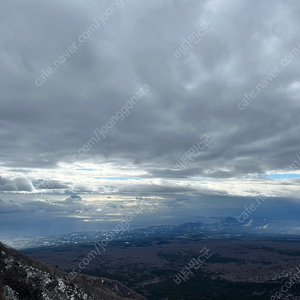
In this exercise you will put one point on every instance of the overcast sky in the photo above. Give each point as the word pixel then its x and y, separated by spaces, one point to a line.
pixel 191 105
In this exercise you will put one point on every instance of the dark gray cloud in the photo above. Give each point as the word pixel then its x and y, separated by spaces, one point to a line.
pixel 7 185
pixel 51 184
pixel 191 95
pixel 16 184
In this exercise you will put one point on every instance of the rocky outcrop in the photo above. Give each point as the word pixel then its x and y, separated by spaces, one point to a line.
pixel 22 278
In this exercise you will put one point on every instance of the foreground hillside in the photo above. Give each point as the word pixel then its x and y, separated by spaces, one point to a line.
pixel 22 278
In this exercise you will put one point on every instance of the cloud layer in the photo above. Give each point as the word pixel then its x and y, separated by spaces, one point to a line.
pixel 91 126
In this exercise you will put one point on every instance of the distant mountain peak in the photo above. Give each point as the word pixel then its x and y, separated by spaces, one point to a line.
pixel 231 220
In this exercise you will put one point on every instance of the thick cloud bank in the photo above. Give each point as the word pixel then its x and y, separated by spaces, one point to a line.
pixel 170 99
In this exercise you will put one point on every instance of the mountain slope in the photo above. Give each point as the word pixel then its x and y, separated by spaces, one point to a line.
pixel 22 278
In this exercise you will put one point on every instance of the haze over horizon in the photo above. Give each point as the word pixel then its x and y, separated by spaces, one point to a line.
pixel 190 106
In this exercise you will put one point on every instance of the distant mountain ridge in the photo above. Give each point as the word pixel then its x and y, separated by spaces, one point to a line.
pixel 22 278
pixel 230 220
pixel 228 225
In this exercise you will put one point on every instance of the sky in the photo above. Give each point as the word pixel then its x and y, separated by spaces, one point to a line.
pixel 191 106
